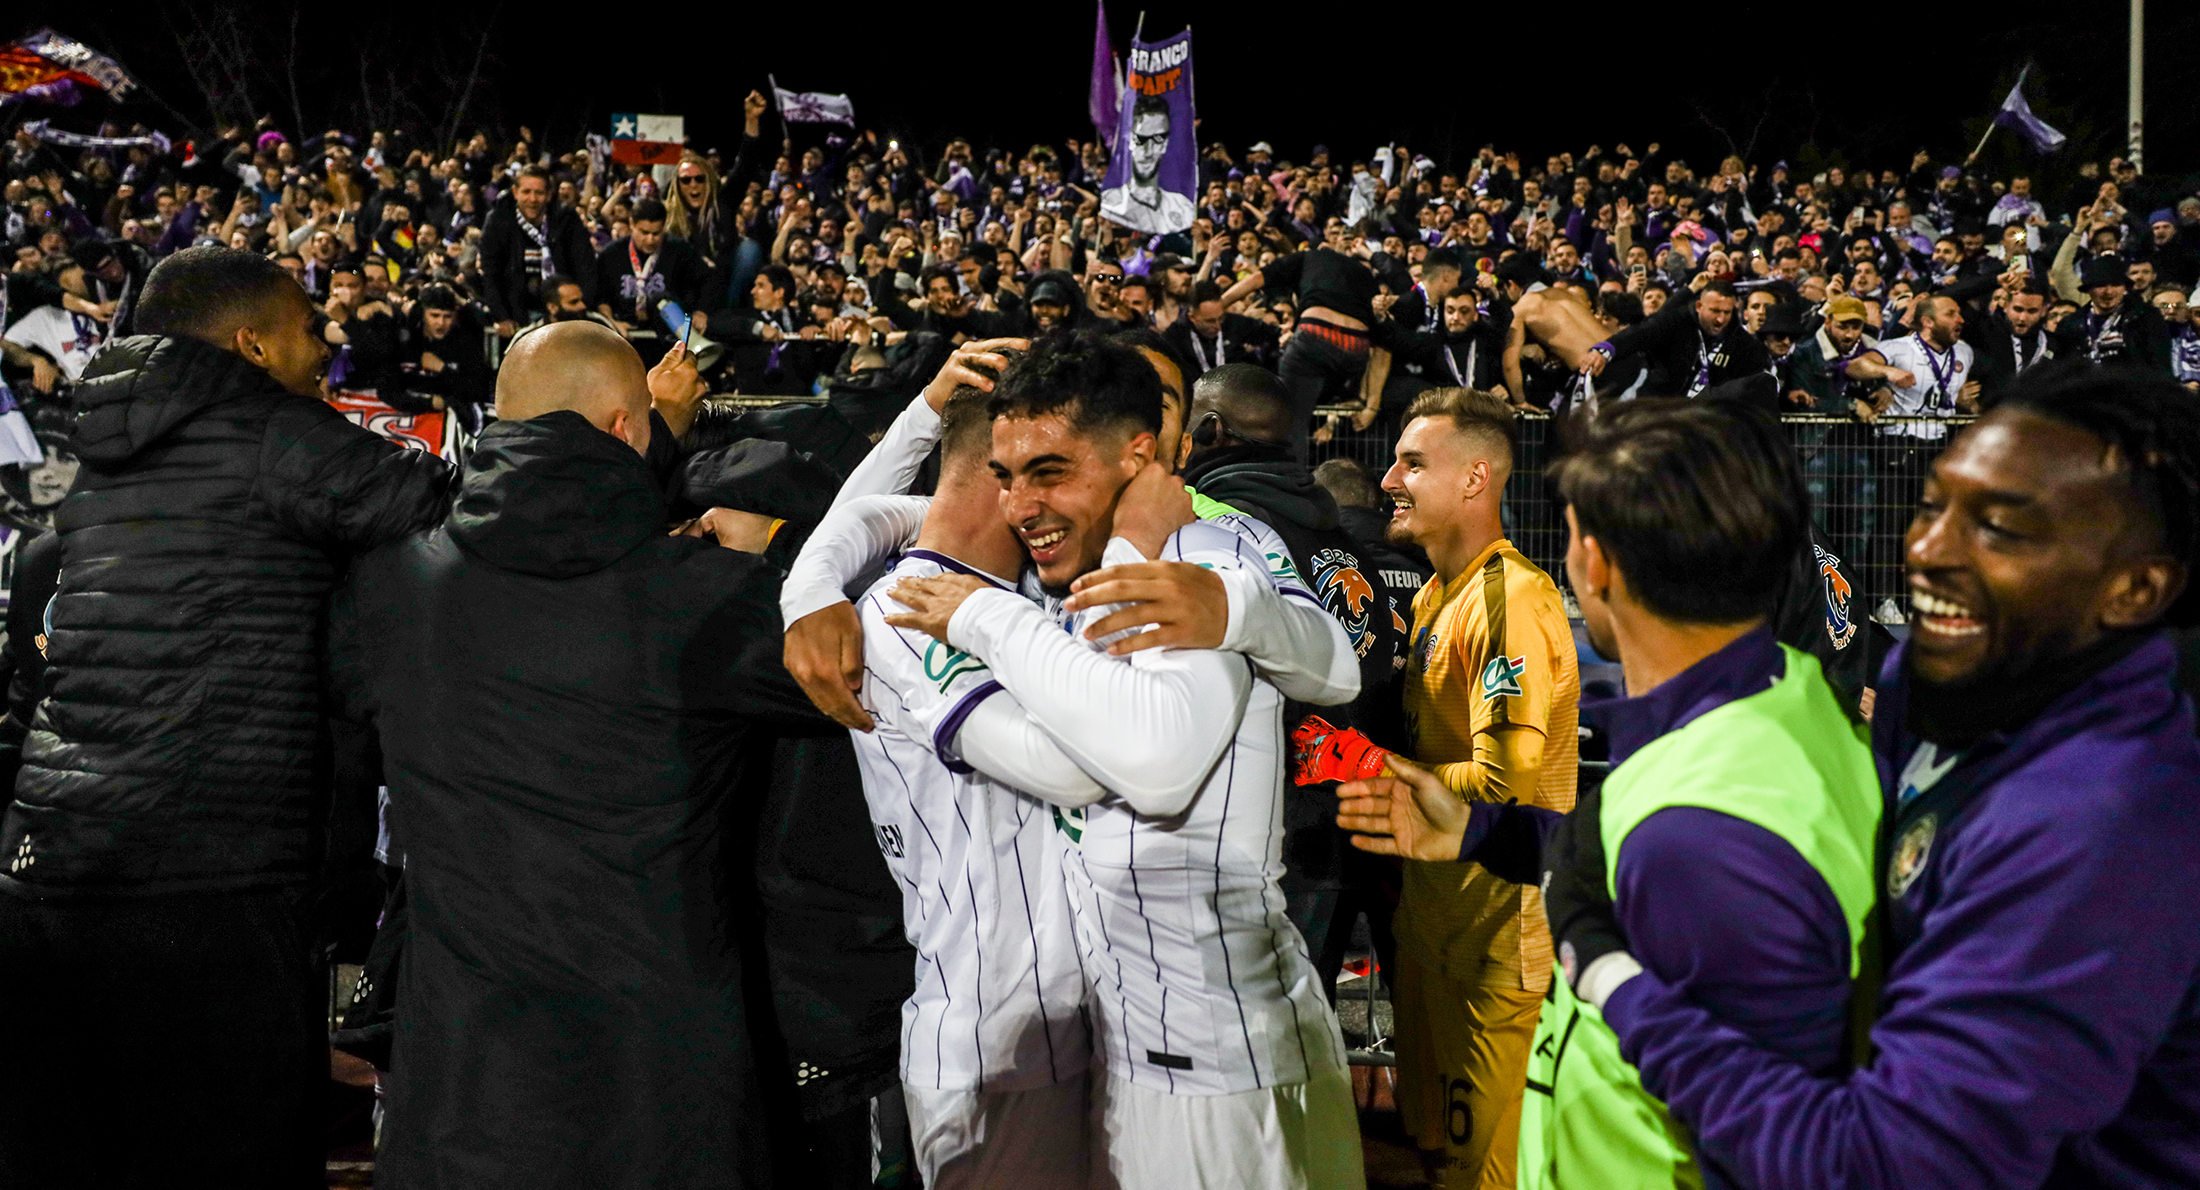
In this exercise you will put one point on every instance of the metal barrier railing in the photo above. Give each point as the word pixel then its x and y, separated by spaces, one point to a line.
pixel 1864 483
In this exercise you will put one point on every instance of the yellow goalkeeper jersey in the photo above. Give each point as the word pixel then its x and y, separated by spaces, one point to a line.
pixel 1492 699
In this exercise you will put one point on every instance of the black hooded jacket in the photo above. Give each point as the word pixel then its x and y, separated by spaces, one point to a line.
pixel 182 743
pixel 566 699
pixel 1821 612
pixel 1404 566
pixel 1268 485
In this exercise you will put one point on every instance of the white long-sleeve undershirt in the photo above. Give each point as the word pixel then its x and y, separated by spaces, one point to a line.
pixel 1296 644
pixel 852 538
pixel 1000 739
pixel 1293 642
pixel 1148 727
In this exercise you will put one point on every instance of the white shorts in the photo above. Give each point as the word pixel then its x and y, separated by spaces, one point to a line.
pixel 1305 1136
pixel 1027 1140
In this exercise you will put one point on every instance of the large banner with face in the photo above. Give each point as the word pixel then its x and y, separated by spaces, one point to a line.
pixel 1155 171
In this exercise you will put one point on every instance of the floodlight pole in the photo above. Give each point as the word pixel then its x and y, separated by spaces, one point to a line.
pixel 2136 101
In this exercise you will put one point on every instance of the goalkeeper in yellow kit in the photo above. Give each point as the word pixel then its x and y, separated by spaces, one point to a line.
pixel 1491 696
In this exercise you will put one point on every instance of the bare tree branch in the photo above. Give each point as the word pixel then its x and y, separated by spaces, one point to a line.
pixel 473 75
pixel 290 71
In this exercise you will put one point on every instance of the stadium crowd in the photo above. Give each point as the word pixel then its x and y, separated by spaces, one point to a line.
pixel 724 793
pixel 809 266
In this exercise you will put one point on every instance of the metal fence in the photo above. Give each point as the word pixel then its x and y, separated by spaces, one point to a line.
pixel 1864 484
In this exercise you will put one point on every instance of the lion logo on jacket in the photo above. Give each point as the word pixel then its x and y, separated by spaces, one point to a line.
pixel 1347 594
pixel 1839 625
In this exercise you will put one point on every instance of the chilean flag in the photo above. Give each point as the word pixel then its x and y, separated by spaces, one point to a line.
pixel 641 139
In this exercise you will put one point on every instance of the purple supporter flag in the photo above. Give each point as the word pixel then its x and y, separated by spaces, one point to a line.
pixel 1105 92
pixel 2017 114
pixel 812 107
pixel 1153 174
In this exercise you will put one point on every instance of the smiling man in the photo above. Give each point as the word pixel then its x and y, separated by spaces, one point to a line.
pixel 1739 781
pixel 1491 692
pixel 2037 1021
pixel 169 808
pixel 1223 1061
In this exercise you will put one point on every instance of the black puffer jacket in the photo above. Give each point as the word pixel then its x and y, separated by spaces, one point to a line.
pixel 575 965
pixel 180 747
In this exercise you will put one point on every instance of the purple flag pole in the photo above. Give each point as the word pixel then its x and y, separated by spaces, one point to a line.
pixel 1103 95
pixel 2016 113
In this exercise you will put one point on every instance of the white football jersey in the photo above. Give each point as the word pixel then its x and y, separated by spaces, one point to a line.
pixel 999 992
pixel 1200 983
pixel 1940 376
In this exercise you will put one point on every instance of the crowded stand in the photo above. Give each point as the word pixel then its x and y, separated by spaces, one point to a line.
pixel 830 660
pixel 839 265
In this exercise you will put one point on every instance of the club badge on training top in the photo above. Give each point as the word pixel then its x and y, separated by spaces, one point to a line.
pixel 1910 853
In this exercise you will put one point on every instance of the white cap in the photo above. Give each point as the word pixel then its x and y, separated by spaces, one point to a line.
pixel 1261 146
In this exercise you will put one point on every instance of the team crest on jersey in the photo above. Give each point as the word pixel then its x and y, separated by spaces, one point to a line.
pixel 1910 853
pixel 1071 822
pixel 1424 649
pixel 1348 595
pixel 944 663
pixel 1839 625
pixel 1501 677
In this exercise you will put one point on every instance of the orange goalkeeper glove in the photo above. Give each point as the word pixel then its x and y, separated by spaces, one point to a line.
pixel 1323 752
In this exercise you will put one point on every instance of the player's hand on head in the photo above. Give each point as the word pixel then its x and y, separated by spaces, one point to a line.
pixel 1412 814
pixel 1185 605
pixel 957 371
pixel 824 654
pixel 1153 506
pixel 932 601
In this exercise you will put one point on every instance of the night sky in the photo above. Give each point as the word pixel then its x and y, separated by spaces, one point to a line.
pixel 1871 84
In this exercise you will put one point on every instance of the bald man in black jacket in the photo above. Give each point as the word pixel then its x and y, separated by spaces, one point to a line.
pixel 566 696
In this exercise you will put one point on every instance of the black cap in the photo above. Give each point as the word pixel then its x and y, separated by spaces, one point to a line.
pixel 2105 270
pixel 1049 292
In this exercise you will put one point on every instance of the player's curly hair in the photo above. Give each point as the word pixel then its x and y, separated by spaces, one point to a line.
pixel 1096 384
pixel 2153 425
